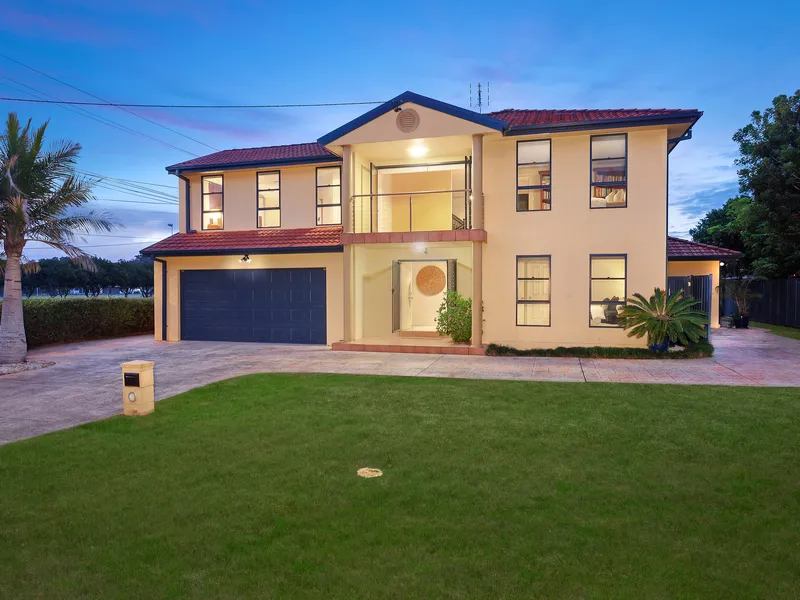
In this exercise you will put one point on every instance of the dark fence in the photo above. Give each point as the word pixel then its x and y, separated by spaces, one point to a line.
pixel 779 302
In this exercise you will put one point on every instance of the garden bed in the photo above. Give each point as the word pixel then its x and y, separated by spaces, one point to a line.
pixel 699 350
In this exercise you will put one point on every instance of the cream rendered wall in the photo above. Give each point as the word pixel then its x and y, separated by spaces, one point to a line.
pixel 331 262
pixel 373 280
pixel 684 268
pixel 431 212
pixel 298 198
pixel 569 233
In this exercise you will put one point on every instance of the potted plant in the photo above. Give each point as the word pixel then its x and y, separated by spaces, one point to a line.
pixel 454 317
pixel 664 318
pixel 739 291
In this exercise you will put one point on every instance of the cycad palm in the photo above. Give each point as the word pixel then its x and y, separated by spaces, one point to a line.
pixel 663 317
pixel 38 192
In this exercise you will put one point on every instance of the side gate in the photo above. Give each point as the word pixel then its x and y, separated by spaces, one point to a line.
pixel 699 287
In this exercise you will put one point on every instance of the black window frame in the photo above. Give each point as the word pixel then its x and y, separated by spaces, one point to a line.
pixel 316 197
pixel 549 279
pixel 622 302
pixel 548 187
pixel 203 195
pixel 593 185
pixel 259 190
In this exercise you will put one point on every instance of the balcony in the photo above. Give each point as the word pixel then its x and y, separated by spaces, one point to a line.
pixel 401 212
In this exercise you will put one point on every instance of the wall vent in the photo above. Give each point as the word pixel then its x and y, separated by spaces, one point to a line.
pixel 407 120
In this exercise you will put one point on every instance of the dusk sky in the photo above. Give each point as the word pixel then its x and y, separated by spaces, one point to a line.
pixel 726 58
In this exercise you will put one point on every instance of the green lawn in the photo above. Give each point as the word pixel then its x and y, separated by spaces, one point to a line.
pixel 789 332
pixel 247 489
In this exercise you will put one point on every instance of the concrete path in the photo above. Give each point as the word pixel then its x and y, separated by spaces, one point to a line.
pixel 85 383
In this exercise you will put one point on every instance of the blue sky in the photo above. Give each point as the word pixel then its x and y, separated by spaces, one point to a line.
pixel 726 59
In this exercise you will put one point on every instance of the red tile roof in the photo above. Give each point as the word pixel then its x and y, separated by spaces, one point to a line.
pixel 217 242
pixel 525 118
pixel 291 153
pixel 678 248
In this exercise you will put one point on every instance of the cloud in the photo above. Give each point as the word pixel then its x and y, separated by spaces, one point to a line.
pixel 141 228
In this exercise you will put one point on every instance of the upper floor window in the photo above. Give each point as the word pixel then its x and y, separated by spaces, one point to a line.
pixel 213 201
pixel 609 187
pixel 533 175
pixel 607 288
pixel 533 291
pixel 268 191
pixel 329 195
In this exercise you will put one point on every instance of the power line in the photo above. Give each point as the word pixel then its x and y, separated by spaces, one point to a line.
pixel 137 192
pixel 104 245
pixel 136 202
pixel 106 102
pixel 171 187
pixel 93 117
pixel 214 106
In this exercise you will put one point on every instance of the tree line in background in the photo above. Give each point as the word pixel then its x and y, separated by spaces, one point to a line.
pixel 764 221
pixel 61 276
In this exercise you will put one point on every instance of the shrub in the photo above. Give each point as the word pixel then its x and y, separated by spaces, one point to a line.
pixel 60 321
pixel 664 317
pixel 454 317
pixel 698 350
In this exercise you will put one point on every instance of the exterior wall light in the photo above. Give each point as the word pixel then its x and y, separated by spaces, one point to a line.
pixel 721 264
pixel 245 259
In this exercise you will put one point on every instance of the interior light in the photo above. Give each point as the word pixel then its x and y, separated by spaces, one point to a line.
pixel 245 259
pixel 418 151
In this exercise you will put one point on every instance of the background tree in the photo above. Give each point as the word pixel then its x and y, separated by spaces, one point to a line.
pixel 726 227
pixel 770 174
pixel 39 192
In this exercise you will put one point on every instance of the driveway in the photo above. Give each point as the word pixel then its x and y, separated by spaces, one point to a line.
pixel 85 383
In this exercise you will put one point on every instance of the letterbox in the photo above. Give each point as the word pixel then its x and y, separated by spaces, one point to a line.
pixel 138 396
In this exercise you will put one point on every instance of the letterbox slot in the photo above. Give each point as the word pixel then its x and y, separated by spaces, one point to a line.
pixel 131 379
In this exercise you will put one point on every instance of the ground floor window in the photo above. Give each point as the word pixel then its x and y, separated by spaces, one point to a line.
pixel 607 288
pixel 533 291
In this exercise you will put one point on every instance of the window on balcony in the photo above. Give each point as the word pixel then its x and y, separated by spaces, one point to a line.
pixel 329 195
pixel 609 186
pixel 607 288
pixel 533 175
pixel 268 192
pixel 533 291
pixel 213 201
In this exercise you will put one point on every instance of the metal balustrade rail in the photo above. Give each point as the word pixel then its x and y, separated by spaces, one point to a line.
pixel 367 213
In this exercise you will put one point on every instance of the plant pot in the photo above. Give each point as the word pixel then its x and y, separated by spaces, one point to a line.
pixel 741 322
pixel 662 347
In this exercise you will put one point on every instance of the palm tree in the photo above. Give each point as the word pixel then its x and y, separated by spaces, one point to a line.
pixel 664 317
pixel 38 194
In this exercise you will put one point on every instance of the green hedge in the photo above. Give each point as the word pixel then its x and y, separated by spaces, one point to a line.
pixel 59 321
pixel 699 350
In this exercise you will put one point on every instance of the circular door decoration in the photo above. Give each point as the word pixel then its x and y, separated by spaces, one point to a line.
pixel 431 280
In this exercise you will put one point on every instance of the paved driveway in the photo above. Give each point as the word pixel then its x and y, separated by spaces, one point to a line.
pixel 85 383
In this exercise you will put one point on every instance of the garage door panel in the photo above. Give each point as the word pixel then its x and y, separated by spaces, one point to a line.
pixel 258 305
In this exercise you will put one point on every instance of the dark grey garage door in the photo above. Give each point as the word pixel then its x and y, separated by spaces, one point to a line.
pixel 254 305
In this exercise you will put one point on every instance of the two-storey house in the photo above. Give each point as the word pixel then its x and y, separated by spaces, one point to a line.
pixel 547 219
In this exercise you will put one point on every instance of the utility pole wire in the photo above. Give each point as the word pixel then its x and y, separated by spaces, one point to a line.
pixel 93 117
pixel 106 102
pixel 123 105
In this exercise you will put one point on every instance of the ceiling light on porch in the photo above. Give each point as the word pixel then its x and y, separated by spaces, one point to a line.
pixel 245 259
pixel 418 151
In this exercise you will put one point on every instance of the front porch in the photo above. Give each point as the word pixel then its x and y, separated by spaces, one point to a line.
pixel 397 290
pixel 401 343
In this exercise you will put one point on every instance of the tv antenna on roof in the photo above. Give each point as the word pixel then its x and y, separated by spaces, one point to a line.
pixel 478 105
